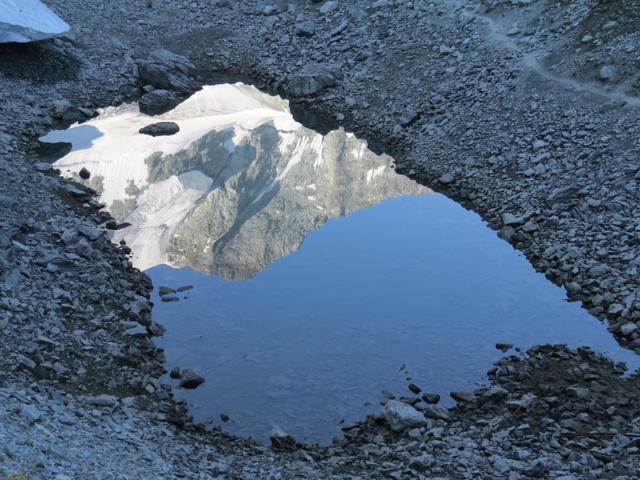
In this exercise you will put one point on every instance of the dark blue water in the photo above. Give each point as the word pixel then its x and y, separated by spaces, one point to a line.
pixel 305 344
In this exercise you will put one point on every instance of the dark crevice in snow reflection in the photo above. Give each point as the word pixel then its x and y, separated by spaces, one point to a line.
pixel 308 335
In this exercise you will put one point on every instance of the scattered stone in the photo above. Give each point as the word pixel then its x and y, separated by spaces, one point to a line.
pixel 102 401
pixel 190 379
pixel 606 73
pixel 446 179
pixel 431 398
pixel 165 290
pixel 503 347
pixel 30 412
pixel 414 388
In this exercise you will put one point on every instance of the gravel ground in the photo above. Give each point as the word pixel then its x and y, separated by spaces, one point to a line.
pixel 526 112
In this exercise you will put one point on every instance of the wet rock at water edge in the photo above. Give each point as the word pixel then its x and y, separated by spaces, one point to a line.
pixel 165 290
pixel 414 388
pixel 160 129
pixel 169 298
pixel 190 379
pixel 281 440
pixel 225 418
pixel 431 398
pixel 463 397
pixel 401 416
pixel 306 28
pixel 503 347
pixel 175 373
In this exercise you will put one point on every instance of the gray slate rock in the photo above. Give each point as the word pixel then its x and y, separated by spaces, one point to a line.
pixel 306 28
pixel 30 412
pixel 401 416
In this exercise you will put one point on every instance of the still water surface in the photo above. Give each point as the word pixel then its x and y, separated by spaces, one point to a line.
pixel 318 272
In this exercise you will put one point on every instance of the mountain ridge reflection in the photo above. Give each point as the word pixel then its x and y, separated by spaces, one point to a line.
pixel 239 187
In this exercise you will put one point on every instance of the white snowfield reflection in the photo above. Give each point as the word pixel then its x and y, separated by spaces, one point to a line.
pixel 239 186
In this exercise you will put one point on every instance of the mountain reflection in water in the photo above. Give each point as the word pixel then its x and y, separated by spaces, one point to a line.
pixel 313 339
pixel 240 186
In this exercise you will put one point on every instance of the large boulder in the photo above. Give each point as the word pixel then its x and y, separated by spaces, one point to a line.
pixel 28 21
pixel 310 80
pixel 166 70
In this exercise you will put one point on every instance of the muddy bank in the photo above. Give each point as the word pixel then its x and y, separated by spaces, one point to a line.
pixel 552 164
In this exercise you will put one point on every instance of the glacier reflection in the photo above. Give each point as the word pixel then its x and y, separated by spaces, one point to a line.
pixel 240 186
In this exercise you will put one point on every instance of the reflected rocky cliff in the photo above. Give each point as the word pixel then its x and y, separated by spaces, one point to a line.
pixel 240 186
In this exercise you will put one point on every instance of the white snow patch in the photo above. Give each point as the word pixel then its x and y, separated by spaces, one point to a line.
pixel 160 210
pixel 374 172
pixel 28 21
pixel 117 151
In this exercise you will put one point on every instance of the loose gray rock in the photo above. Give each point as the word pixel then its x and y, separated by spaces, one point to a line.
pixel 306 28
pixel 401 416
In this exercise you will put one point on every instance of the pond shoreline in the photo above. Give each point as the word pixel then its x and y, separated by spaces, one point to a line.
pixel 458 111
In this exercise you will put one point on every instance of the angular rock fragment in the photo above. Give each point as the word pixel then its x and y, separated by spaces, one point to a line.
pixel 401 416
pixel 310 80
pixel 190 379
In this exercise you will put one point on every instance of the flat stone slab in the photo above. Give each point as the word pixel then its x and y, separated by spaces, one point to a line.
pixel 25 21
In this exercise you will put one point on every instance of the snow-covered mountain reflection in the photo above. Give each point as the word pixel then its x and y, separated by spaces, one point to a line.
pixel 238 187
